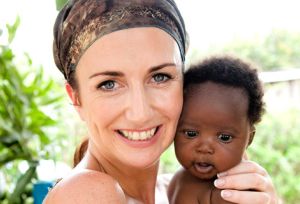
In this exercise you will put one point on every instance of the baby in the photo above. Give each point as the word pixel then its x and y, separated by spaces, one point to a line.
pixel 222 103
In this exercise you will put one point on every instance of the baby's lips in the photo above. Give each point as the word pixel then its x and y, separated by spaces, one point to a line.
pixel 203 167
pixel 204 164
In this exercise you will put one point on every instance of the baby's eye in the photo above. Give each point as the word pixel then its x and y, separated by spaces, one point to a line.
pixel 225 138
pixel 191 133
pixel 107 85
pixel 159 78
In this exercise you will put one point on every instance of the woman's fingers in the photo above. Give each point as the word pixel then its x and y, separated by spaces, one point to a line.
pixel 246 197
pixel 247 181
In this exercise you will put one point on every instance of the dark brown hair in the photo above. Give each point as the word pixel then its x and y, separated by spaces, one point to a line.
pixel 80 151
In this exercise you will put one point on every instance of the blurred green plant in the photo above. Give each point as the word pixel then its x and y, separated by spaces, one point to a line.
pixel 26 101
pixel 278 50
pixel 169 163
pixel 277 148
pixel 60 4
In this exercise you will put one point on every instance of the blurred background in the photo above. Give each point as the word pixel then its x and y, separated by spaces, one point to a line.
pixel 39 129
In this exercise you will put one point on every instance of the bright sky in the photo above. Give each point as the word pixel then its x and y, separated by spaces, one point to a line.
pixel 208 22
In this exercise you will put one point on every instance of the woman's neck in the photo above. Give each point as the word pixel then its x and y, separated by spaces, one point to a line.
pixel 138 184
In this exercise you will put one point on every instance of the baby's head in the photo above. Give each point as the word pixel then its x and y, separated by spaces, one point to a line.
pixel 222 103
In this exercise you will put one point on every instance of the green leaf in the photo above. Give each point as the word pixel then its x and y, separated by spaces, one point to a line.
pixel 9 157
pixel 12 29
pixel 7 55
pixel 21 184
pixel 44 139
pixel 60 4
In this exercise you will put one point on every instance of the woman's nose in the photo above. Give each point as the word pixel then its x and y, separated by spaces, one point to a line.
pixel 139 108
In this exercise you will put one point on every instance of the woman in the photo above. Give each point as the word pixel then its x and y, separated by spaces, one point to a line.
pixel 123 62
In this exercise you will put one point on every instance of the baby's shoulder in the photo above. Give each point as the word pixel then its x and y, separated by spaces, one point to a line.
pixel 86 186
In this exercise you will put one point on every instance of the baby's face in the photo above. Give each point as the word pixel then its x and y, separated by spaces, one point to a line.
pixel 214 130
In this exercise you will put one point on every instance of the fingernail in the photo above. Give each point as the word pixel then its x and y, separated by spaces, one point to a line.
pixel 219 182
pixel 221 174
pixel 226 194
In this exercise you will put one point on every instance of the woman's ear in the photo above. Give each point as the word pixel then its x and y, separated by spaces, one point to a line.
pixel 251 136
pixel 74 96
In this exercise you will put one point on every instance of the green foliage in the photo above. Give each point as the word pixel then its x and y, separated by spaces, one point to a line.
pixel 168 161
pixel 26 101
pixel 276 147
pixel 278 50
pixel 12 29
pixel 60 4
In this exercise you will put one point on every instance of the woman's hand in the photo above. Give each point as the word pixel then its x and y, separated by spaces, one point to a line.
pixel 247 183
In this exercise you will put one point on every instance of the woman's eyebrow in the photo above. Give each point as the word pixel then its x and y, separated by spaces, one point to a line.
pixel 117 73
pixel 158 67
pixel 107 73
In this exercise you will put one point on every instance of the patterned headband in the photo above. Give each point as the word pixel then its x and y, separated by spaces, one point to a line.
pixel 81 22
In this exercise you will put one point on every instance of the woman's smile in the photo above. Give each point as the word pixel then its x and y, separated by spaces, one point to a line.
pixel 140 138
pixel 138 135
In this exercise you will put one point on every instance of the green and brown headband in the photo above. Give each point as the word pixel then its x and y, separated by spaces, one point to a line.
pixel 81 22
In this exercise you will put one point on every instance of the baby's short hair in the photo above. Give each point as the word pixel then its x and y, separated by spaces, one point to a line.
pixel 232 72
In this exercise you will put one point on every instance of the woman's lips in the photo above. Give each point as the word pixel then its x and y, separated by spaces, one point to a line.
pixel 135 138
pixel 203 167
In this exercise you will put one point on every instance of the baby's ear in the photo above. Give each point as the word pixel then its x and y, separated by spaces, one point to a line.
pixel 251 136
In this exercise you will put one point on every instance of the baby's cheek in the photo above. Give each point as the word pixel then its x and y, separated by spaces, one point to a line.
pixel 183 153
pixel 228 159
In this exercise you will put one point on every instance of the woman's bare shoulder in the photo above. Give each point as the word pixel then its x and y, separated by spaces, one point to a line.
pixel 86 186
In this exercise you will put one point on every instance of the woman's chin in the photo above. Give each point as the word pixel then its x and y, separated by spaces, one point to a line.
pixel 141 163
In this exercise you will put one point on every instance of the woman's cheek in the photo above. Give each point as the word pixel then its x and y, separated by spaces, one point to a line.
pixel 102 110
pixel 175 101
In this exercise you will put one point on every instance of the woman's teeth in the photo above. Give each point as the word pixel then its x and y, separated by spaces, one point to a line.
pixel 138 135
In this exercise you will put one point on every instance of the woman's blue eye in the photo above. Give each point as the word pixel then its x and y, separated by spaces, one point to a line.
pixel 225 138
pixel 158 78
pixel 107 85
pixel 191 133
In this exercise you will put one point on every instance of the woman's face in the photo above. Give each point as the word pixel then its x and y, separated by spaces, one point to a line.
pixel 130 93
